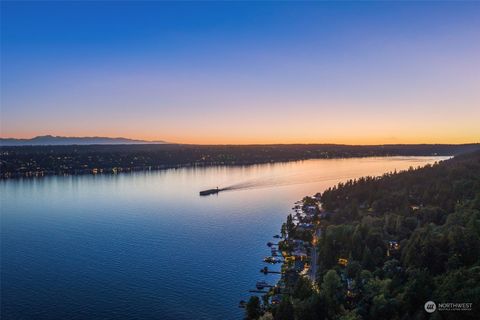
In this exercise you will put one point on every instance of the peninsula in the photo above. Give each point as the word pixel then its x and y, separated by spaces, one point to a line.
pixel 380 248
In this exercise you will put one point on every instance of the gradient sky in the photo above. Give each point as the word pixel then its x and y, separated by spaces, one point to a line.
pixel 359 73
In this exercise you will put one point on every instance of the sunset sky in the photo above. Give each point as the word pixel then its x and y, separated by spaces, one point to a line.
pixel 356 73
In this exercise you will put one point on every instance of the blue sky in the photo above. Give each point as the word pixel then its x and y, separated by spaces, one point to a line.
pixel 223 72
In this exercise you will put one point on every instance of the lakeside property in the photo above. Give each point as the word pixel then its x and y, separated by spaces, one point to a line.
pixel 381 247
pixel 296 246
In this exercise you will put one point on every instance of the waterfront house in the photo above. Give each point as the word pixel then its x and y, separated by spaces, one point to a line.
pixel 297 242
pixel 276 299
pixel 304 226
pixel 311 210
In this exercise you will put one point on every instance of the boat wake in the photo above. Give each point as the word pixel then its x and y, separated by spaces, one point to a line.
pixel 280 182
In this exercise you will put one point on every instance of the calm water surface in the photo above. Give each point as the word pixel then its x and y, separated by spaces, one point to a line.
pixel 145 245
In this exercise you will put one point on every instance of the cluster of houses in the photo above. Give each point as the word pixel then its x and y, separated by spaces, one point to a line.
pixel 304 217
pixel 295 252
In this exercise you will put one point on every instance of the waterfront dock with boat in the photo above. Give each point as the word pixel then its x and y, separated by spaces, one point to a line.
pixel 295 249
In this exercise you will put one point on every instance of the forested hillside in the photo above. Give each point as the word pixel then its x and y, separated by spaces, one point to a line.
pixel 407 237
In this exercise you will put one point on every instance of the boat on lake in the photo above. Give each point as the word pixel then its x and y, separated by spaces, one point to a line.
pixel 210 191
pixel 272 260
pixel 262 284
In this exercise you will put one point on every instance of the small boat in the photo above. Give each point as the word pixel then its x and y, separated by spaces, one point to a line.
pixel 261 284
pixel 272 260
pixel 210 191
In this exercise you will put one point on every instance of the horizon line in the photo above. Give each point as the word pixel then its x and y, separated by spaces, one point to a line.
pixel 159 141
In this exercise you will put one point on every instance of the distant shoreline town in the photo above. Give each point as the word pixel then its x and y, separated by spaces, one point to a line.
pixel 39 161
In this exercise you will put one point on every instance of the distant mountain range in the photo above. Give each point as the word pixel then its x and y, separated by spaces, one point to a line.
pixel 58 140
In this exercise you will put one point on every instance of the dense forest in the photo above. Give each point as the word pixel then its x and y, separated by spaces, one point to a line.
pixel 389 244
pixel 22 161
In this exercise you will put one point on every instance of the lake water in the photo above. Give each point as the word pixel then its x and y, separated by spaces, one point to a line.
pixel 146 245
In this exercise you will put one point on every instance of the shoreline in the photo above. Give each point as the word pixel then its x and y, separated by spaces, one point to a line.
pixel 297 246
pixel 118 170
pixel 365 236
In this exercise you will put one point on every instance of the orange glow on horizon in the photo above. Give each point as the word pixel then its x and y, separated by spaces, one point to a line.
pixel 283 128
pixel 269 140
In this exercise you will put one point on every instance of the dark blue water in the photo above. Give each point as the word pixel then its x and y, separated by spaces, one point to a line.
pixel 145 245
